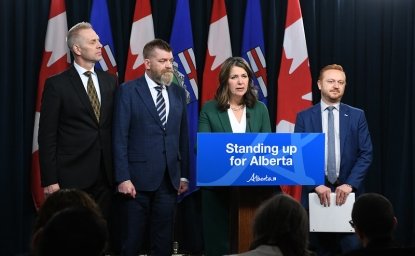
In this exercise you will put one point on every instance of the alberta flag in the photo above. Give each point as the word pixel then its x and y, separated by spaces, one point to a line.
pixel 253 47
pixel 185 69
pixel 100 21
pixel 294 80
pixel 55 59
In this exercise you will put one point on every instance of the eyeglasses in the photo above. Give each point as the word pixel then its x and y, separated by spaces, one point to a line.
pixel 351 223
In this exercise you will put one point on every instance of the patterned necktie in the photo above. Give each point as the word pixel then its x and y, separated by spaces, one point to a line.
pixel 92 94
pixel 161 105
pixel 331 149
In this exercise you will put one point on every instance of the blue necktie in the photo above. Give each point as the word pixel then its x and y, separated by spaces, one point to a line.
pixel 161 105
pixel 331 149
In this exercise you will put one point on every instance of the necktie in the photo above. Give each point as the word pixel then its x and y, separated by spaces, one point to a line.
pixel 331 150
pixel 92 94
pixel 161 105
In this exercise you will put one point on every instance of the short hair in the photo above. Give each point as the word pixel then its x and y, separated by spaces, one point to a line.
pixel 155 44
pixel 281 221
pixel 73 231
pixel 61 199
pixel 330 67
pixel 222 93
pixel 373 215
pixel 73 34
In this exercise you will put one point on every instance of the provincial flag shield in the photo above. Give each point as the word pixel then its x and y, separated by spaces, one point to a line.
pixel 181 42
pixel 100 21
pixel 253 47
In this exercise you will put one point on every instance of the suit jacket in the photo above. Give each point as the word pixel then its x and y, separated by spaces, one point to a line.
pixel 72 144
pixel 355 144
pixel 211 119
pixel 143 149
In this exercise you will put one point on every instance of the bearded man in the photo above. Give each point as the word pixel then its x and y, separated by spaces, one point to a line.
pixel 151 151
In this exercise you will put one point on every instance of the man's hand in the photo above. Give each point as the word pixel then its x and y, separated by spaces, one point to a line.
pixel 323 193
pixel 184 186
pixel 50 189
pixel 342 192
pixel 127 188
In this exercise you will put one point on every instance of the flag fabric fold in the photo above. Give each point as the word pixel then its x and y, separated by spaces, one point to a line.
pixel 253 47
pixel 55 59
pixel 142 32
pixel 100 21
pixel 294 80
pixel 218 49
pixel 181 42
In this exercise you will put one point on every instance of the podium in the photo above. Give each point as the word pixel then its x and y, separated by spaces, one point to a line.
pixel 253 165
pixel 244 203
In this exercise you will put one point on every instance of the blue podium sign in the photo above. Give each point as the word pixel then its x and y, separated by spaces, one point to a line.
pixel 260 159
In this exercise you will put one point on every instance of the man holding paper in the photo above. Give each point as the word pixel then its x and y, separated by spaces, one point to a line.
pixel 348 152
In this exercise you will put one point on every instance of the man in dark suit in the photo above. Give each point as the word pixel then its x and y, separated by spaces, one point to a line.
pixel 351 157
pixel 75 132
pixel 151 151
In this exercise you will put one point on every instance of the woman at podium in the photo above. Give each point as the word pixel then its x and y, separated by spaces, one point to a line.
pixel 235 109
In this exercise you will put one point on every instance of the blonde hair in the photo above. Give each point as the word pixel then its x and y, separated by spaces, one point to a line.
pixel 73 34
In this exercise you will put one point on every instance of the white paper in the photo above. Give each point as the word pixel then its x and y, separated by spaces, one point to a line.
pixel 333 218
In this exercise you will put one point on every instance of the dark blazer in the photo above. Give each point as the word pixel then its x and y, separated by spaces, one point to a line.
pixel 211 119
pixel 142 148
pixel 355 144
pixel 70 138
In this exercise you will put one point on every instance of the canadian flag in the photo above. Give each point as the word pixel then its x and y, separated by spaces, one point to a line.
pixel 142 32
pixel 294 81
pixel 56 58
pixel 219 49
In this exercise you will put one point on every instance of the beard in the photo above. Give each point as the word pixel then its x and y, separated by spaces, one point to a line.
pixel 166 78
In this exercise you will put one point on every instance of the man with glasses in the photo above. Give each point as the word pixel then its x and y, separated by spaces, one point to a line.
pixel 348 153
pixel 374 221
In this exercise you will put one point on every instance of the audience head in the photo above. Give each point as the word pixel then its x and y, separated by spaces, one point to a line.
pixel 224 93
pixel 283 222
pixel 373 217
pixel 72 231
pixel 61 199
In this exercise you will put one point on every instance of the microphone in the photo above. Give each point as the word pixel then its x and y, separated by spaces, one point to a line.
pixel 248 126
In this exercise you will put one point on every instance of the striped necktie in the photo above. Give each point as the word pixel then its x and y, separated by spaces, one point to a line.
pixel 161 105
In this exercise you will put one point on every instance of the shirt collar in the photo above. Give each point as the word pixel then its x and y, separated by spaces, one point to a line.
pixel 151 83
pixel 82 70
pixel 324 106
